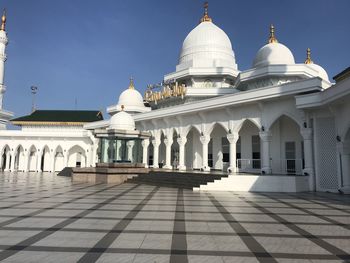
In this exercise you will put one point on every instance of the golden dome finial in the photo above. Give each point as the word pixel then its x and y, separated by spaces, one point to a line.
pixel 308 57
pixel 272 38
pixel 205 17
pixel 3 20
pixel 131 85
pixel 122 107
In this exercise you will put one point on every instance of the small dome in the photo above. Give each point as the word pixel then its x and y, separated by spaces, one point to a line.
pixel 273 53
pixel 131 97
pixel 207 42
pixel 122 121
pixel 321 72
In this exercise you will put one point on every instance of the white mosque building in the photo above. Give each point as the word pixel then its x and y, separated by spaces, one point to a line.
pixel 278 126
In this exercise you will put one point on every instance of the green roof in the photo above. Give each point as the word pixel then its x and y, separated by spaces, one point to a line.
pixel 59 116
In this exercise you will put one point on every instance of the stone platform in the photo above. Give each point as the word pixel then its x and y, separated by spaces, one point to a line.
pixel 116 173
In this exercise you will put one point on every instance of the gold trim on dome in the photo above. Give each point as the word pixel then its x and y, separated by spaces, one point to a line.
pixel 308 57
pixel 3 20
pixel 131 84
pixel 272 38
pixel 64 123
pixel 206 17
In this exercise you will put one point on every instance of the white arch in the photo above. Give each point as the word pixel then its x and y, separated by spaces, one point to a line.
pixel 5 157
pixel 187 130
pixel 279 115
pixel 213 125
pixel 45 161
pixel 19 162
pixel 32 158
pixel 238 126
pixel 77 156
pixel 58 160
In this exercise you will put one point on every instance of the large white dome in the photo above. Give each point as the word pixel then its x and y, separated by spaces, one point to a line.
pixel 273 54
pixel 208 45
pixel 122 121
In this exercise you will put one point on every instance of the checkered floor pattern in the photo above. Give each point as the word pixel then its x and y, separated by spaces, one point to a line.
pixel 46 218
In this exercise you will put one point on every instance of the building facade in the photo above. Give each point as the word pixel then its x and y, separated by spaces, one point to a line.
pixel 279 121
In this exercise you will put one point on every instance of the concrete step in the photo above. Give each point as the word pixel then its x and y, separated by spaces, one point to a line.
pixel 176 179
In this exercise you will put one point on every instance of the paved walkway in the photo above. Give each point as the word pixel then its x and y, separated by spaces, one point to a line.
pixel 45 218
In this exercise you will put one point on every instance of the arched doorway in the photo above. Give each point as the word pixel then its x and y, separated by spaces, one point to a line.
pixel 5 158
pixel 218 149
pixel 175 151
pixel 19 159
pixel 58 159
pixel 33 159
pixel 248 148
pixel 150 154
pixel 193 150
pixel 45 160
pixel 76 157
pixel 162 151
pixel 286 147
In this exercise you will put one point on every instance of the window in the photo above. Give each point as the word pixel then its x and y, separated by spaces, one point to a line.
pixel 225 150
pixel 290 157
pixel 256 152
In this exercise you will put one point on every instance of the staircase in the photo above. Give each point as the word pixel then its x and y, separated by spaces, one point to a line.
pixel 186 180
pixel 67 171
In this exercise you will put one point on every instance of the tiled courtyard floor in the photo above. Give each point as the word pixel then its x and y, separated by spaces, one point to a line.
pixel 45 218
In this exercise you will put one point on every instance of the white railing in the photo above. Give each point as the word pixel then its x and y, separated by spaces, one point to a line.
pixel 247 165
pixel 287 166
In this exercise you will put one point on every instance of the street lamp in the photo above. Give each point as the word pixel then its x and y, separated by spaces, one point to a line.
pixel 34 90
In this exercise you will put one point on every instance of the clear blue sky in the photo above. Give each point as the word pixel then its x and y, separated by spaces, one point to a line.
pixel 87 49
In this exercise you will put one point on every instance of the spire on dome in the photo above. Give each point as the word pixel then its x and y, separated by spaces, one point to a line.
pixel 3 20
pixel 272 38
pixel 131 85
pixel 205 17
pixel 308 57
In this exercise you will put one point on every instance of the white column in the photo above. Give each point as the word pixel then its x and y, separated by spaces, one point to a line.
pixel 306 133
pixel 265 137
pixel 38 166
pixel 13 158
pixel 8 157
pixel 65 158
pixel 205 139
pixel 52 161
pixel 168 143
pixel 94 153
pixel 232 139
pixel 26 161
pixel 145 144
pixel 155 143
pixel 130 145
pixel 217 153
pixel 345 166
pixel 87 158
pixel 182 142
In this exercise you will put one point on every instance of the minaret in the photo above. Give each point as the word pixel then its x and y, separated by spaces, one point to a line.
pixel 5 116
pixel 3 44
